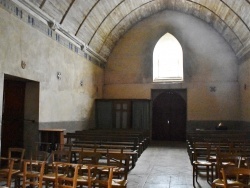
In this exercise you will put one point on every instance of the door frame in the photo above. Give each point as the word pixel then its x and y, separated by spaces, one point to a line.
pixel 156 92
pixel 31 110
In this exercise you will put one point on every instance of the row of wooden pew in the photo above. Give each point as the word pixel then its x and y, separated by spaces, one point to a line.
pixel 206 147
pixel 130 142
pixel 234 140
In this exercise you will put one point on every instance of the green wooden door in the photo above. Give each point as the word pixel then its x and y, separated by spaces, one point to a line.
pixel 141 114
pixel 104 109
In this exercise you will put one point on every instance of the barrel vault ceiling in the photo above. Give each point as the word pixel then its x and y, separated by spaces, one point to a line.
pixel 100 23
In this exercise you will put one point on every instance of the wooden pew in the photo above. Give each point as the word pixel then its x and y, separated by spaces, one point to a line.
pixel 233 140
pixel 110 138
pixel 132 142
pixel 103 149
pixel 143 136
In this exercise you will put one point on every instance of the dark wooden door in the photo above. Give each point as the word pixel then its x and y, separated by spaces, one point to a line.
pixel 104 116
pixel 169 117
pixel 13 115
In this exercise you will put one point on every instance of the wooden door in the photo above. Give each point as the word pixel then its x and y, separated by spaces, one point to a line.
pixel 169 117
pixel 122 114
pixel 141 111
pixel 13 115
pixel 104 116
pixel 113 113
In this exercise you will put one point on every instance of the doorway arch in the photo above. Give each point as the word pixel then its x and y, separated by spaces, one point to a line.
pixel 169 113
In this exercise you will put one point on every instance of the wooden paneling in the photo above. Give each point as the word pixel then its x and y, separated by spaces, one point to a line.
pixel 123 113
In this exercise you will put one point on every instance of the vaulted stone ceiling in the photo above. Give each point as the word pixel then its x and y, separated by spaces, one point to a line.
pixel 100 23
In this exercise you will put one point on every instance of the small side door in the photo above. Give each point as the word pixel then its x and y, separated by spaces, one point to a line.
pixel 13 115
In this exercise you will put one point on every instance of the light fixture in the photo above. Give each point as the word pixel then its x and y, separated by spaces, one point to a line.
pixel 53 25
pixel 59 75
pixel 23 64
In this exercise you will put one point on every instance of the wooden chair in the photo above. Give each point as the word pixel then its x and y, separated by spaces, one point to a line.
pixel 75 152
pixel 223 160
pixel 17 154
pixel 86 158
pixel 69 177
pixel 93 178
pixel 120 162
pixel 6 171
pixel 89 157
pixel 200 161
pixel 56 156
pixel 39 155
pixel 33 173
pixel 120 172
pixel 240 177
pixel 86 179
pixel 36 155
pixel 218 145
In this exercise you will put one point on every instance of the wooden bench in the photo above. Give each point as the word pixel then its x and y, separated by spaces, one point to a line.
pixel 126 141
pixel 133 155
pixel 143 136
pixel 234 141
pixel 132 142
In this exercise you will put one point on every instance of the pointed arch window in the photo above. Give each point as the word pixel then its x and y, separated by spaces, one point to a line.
pixel 167 60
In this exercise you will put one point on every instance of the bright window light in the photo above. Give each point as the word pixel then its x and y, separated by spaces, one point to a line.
pixel 167 60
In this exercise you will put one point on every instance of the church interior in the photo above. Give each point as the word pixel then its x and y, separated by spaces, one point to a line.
pixel 75 70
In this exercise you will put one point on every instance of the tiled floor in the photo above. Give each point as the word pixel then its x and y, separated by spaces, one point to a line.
pixel 164 165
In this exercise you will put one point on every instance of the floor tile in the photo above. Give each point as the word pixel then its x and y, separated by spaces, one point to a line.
pixel 164 165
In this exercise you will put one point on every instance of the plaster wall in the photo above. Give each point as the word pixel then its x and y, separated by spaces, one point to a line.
pixel 244 77
pixel 209 62
pixel 63 103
